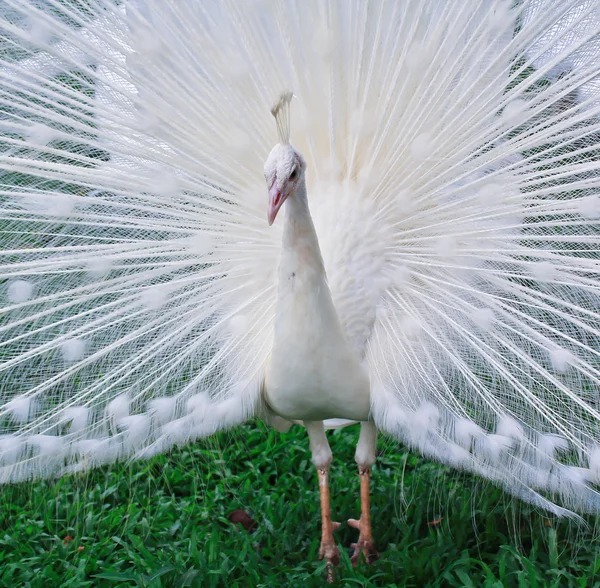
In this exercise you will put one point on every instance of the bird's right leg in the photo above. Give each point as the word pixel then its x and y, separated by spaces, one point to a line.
pixel 321 457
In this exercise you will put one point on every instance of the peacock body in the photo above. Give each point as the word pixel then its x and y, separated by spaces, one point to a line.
pixel 449 293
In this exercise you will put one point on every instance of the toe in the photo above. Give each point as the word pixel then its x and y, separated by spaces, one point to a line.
pixel 366 549
pixel 354 523
pixel 330 552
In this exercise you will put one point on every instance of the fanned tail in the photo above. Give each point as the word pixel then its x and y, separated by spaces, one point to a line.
pixel 452 153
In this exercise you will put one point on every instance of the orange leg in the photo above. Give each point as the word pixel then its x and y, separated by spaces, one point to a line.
pixel 365 458
pixel 329 549
pixel 365 544
pixel 321 458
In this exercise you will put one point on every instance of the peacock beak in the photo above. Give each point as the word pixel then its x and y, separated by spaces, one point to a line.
pixel 276 199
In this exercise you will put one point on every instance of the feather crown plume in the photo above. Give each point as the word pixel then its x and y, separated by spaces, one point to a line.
pixel 281 112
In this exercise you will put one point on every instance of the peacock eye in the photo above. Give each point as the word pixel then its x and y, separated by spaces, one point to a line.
pixel 294 174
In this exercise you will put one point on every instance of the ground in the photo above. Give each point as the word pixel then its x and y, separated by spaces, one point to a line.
pixel 166 522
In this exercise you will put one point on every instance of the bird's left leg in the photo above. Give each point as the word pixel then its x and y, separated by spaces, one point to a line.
pixel 365 457
pixel 322 457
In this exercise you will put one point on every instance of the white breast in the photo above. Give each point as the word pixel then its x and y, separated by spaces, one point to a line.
pixel 313 373
pixel 314 376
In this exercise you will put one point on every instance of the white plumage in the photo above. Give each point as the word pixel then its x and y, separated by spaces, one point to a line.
pixel 313 373
pixel 448 293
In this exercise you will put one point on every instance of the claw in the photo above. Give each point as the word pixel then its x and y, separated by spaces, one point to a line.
pixel 366 549
pixel 365 545
pixel 330 552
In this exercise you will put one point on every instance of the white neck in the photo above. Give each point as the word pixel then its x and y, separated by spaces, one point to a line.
pixel 301 259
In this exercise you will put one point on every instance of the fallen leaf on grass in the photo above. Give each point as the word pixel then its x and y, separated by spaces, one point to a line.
pixel 243 518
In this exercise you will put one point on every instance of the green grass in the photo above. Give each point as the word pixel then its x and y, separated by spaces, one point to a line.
pixel 165 523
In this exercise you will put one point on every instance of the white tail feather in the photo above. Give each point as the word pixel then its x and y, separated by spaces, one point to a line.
pixel 77 418
pixel 452 155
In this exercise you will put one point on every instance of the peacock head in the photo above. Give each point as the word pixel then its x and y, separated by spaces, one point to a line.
pixel 284 173
pixel 284 169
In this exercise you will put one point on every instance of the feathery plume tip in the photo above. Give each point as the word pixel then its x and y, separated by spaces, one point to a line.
pixel 281 112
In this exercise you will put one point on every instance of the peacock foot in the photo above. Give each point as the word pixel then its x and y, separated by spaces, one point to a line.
pixel 329 551
pixel 366 549
pixel 365 545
